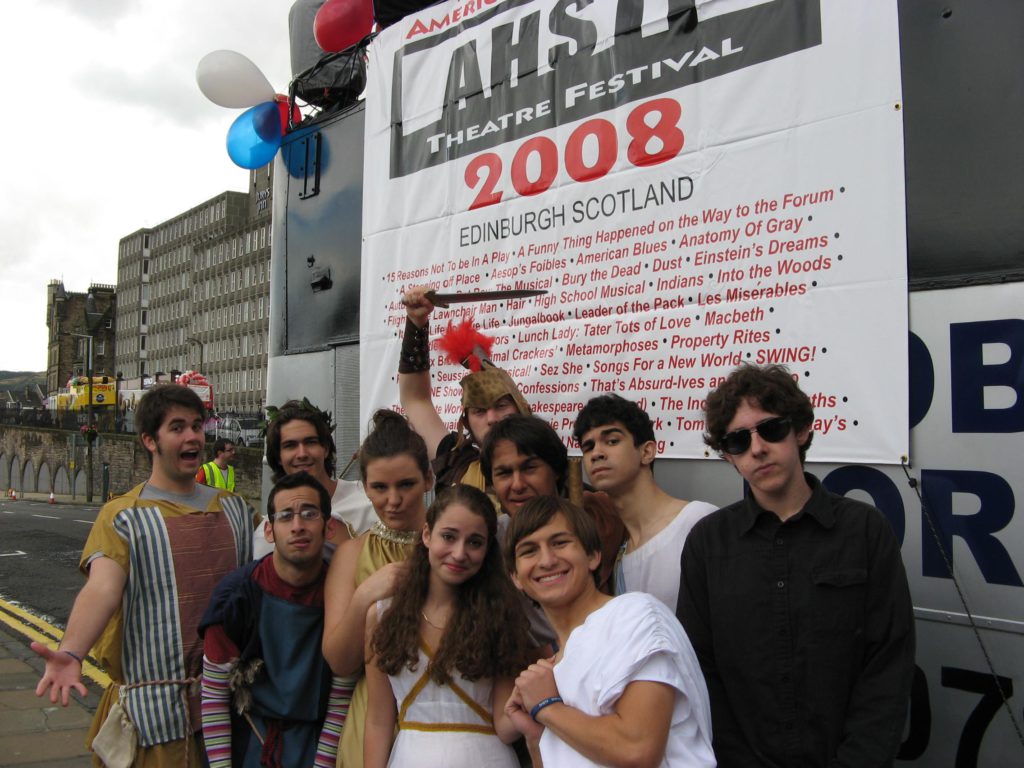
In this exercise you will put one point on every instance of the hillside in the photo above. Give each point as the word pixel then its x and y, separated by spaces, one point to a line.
pixel 18 380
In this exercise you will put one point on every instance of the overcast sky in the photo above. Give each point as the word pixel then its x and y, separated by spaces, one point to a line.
pixel 105 132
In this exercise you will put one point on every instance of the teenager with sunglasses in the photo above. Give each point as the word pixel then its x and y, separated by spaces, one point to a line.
pixel 795 599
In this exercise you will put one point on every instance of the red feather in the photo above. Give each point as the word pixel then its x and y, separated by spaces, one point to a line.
pixel 462 344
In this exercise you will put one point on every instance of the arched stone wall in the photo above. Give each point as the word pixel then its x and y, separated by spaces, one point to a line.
pixel 63 455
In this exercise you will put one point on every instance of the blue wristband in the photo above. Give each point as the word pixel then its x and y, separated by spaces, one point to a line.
pixel 74 656
pixel 545 703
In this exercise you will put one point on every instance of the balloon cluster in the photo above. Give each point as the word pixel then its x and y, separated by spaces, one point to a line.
pixel 231 80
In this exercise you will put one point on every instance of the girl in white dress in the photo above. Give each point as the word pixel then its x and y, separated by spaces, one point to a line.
pixel 442 655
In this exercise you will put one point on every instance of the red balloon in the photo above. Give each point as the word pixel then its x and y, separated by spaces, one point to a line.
pixel 282 107
pixel 340 24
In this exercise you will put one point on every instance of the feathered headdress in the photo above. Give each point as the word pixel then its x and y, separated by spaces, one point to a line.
pixel 464 345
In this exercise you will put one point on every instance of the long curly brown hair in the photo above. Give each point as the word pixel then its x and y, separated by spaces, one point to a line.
pixel 486 637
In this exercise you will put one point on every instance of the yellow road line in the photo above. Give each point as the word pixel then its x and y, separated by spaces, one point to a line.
pixel 25 623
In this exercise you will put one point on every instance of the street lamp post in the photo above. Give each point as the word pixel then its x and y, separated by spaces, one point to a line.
pixel 118 418
pixel 88 417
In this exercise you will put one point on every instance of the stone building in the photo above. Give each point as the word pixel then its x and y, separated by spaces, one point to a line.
pixel 195 295
pixel 85 314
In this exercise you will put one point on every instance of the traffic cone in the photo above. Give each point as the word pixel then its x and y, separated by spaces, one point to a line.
pixel 14 495
pixel 52 500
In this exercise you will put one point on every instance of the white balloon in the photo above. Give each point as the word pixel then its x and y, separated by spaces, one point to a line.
pixel 229 79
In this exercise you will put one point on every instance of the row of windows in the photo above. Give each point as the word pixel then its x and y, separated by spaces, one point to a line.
pixel 240 345
pixel 253 240
pixel 189 224
pixel 233 314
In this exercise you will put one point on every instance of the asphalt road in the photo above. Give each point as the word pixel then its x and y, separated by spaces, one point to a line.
pixel 40 545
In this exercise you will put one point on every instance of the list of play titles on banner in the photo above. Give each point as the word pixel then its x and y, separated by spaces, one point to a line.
pixel 689 201
pixel 658 311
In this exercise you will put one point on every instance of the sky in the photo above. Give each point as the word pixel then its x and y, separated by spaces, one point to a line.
pixel 107 132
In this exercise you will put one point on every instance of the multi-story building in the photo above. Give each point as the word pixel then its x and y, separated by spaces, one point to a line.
pixel 72 318
pixel 195 295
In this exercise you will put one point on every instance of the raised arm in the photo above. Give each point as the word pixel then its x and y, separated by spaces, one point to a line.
pixel 92 611
pixel 414 370
pixel 345 606
pixel 634 734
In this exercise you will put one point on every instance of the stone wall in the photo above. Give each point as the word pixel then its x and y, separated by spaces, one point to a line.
pixel 36 460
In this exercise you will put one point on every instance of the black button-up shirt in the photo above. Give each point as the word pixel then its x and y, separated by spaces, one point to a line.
pixel 804 630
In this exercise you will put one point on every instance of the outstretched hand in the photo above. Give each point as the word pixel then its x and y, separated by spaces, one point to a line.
pixel 62 673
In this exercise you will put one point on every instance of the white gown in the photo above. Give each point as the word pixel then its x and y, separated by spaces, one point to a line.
pixel 445 726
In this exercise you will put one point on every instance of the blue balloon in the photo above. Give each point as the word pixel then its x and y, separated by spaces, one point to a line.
pixel 255 137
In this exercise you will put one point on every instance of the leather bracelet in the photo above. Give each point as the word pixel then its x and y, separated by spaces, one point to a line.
pixel 415 355
pixel 73 655
pixel 544 703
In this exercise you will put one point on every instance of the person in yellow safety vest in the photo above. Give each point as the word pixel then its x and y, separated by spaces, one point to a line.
pixel 219 473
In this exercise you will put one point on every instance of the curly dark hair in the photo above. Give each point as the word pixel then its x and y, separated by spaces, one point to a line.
pixel 486 636
pixel 392 435
pixel 771 387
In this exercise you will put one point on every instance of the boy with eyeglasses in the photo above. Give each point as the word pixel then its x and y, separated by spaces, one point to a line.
pixel 268 697
pixel 795 599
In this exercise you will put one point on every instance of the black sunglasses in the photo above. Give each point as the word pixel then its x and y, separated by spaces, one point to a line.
pixel 771 430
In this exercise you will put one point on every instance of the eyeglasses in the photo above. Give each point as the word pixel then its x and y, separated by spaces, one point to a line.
pixel 770 430
pixel 285 515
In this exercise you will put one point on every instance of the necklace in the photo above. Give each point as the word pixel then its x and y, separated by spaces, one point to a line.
pixel 396 537
pixel 424 615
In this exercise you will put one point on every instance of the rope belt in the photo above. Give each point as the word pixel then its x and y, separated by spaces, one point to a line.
pixel 184 702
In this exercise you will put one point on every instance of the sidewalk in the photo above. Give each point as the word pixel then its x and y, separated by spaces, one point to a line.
pixel 34 732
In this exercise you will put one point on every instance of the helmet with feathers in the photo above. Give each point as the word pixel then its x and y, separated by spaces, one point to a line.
pixel 487 384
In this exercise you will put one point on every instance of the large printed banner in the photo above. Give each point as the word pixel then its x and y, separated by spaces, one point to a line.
pixel 693 187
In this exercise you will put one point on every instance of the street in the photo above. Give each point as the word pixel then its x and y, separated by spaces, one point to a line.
pixel 40 545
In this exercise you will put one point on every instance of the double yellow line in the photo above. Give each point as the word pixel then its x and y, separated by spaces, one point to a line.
pixel 43 632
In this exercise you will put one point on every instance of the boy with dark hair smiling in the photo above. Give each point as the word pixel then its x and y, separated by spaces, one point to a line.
pixel 625 687
pixel 619 448
pixel 795 598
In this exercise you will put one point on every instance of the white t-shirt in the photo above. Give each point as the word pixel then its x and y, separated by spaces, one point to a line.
pixel 349 506
pixel 633 638
pixel 653 567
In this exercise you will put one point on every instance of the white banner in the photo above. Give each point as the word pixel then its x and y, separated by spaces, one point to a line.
pixel 690 199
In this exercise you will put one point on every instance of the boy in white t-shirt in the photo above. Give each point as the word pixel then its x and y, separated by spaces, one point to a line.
pixel 625 686
pixel 619 448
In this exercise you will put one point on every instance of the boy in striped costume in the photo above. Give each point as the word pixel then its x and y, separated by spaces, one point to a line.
pixel 152 558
